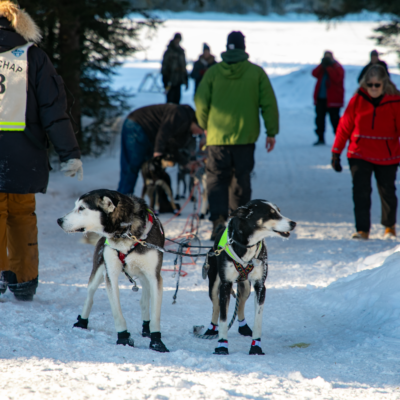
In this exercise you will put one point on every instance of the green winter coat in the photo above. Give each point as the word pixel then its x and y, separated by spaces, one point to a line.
pixel 228 100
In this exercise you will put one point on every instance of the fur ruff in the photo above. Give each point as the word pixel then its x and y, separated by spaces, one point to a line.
pixel 20 21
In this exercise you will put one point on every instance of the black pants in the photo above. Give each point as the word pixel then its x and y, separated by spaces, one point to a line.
pixel 228 177
pixel 174 94
pixel 385 176
pixel 321 109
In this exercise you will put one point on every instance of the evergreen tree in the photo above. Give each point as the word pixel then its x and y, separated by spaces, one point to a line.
pixel 86 40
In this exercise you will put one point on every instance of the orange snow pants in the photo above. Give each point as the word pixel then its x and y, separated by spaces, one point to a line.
pixel 18 236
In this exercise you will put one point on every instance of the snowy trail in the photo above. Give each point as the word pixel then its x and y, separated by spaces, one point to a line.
pixel 337 295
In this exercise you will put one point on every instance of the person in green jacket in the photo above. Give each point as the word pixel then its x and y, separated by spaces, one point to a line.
pixel 228 101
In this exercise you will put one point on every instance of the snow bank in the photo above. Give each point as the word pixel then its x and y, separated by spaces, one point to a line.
pixel 369 298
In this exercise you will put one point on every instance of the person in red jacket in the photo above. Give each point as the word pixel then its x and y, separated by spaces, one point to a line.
pixel 372 124
pixel 328 94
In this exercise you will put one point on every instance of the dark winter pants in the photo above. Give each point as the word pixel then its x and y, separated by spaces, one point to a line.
pixel 321 109
pixel 228 177
pixel 174 94
pixel 18 236
pixel 385 177
pixel 136 148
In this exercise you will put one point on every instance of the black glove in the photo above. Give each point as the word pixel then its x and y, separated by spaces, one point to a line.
pixel 336 162
pixel 326 62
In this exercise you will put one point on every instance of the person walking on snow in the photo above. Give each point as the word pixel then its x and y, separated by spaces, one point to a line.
pixel 173 70
pixel 371 123
pixel 205 61
pixel 328 94
pixel 32 111
pixel 374 60
pixel 228 101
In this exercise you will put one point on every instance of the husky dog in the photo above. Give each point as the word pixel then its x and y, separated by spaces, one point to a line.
pixel 244 261
pixel 122 222
pixel 157 185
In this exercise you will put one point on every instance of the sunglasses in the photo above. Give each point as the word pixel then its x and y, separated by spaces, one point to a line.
pixel 377 85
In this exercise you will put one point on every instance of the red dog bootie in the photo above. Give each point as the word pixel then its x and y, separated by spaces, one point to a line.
pixel 255 348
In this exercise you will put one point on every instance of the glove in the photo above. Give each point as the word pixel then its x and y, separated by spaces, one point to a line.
pixel 336 162
pixel 72 167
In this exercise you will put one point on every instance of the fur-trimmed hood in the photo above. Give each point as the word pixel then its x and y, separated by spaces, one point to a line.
pixel 20 21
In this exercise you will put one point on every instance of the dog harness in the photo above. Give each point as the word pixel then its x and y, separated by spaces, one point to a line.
pixel 242 267
pixel 147 229
pixel 13 88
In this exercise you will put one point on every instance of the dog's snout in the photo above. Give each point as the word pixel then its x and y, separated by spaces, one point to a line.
pixel 60 221
pixel 292 224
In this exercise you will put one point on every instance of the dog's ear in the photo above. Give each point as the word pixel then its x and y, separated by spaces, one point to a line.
pixel 107 205
pixel 242 212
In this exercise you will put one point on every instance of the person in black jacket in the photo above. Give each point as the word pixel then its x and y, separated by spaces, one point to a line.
pixel 153 131
pixel 32 113
pixel 205 61
pixel 374 60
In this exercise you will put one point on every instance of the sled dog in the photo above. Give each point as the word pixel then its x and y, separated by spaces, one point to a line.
pixel 122 222
pixel 244 260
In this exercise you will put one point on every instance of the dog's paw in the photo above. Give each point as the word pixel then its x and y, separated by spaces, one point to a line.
pixel 255 348
pixel 156 344
pixel 124 338
pixel 146 329
pixel 210 332
pixel 222 348
pixel 245 330
pixel 82 323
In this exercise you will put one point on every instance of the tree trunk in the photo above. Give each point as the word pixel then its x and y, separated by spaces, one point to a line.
pixel 69 65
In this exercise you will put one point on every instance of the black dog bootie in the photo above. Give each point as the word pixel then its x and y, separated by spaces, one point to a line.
pixel 244 329
pixel 82 323
pixel 255 349
pixel 156 344
pixel 124 338
pixel 146 329
pixel 222 348
pixel 212 330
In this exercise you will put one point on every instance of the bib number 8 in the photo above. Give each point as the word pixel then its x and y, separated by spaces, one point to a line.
pixel 2 87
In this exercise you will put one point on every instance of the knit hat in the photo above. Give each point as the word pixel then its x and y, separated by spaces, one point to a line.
pixel 374 53
pixel 206 47
pixel 235 41
pixel 177 36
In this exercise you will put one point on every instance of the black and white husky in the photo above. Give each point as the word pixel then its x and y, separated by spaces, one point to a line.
pixel 122 221
pixel 244 260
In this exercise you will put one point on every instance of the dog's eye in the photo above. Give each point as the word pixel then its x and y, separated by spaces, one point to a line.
pixel 81 208
pixel 272 210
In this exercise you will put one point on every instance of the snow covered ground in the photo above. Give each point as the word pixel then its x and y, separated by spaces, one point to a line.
pixel 338 296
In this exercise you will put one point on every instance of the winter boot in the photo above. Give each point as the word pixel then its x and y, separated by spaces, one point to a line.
pixel 390 232
pixel 6 277
pixel 24 291
pixel 319 142
pixel 360 235
pixel 218 226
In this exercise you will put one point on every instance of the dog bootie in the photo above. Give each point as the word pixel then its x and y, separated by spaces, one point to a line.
pixel 222 348
pixel 244 329
pixel 255 348
pixel 24 291
pixel 156 344
pixel 146 329
pixel 6 277
pixel 124 338
pixel 82 323
pixel 212 330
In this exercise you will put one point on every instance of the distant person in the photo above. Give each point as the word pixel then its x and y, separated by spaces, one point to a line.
pixel 374 60
pixel 153 131
pixel 33 106
pixel 328 94
pixel 228 101
pixel 173 70
pixel 371 123
pixel 205 61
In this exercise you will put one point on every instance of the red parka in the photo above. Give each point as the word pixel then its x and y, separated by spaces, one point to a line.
pixel 374 131
pixel 334 84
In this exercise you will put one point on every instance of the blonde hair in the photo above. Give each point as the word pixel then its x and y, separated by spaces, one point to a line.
pixel 377 71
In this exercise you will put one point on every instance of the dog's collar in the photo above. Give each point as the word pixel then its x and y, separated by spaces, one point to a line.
pixel 226 243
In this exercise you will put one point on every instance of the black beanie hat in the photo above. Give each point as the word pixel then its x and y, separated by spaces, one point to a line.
pixel 235 41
